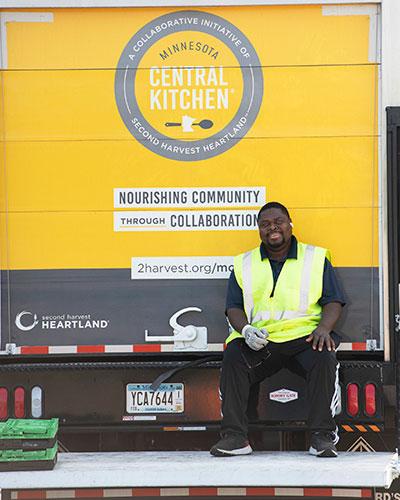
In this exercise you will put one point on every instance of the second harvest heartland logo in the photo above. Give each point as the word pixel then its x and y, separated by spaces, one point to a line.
pixel 189 85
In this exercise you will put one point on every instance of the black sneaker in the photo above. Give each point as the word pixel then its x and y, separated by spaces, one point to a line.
pixel 230 446
pixel 322 445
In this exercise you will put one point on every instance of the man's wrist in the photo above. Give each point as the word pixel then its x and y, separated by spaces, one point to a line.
pixel 325 330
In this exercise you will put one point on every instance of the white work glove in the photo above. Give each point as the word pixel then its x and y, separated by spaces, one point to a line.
pixel 255 338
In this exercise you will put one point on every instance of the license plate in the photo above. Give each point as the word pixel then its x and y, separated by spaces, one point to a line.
pixel 168 398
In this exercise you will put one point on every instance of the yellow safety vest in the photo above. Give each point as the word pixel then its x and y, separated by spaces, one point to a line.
pixel 293 311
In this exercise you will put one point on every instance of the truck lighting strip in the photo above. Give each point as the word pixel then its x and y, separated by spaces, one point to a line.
pixel 190 491
pixel 129 348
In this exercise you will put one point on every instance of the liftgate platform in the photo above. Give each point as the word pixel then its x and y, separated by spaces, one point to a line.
pixel 197 474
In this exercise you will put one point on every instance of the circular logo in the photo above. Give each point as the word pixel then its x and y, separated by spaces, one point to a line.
pixel 31 325
pixel 189 85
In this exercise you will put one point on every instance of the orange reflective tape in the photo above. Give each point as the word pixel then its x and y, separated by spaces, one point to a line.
pixel 374 428
pixel 361 428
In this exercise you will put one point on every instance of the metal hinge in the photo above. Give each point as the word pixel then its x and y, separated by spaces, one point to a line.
pixel 397 320
pixel 371 345
pixel 185 338
pixel 9 349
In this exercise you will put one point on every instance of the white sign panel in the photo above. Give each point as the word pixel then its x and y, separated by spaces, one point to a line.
pixel 189 197
pixel 190 220
pixel 155 268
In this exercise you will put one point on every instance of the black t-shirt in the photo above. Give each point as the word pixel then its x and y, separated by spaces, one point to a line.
pixel 331 289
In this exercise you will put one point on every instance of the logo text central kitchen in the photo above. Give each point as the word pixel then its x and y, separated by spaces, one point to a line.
pixel 188 88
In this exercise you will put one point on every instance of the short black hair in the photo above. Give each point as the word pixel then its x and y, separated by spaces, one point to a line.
pixel 273 204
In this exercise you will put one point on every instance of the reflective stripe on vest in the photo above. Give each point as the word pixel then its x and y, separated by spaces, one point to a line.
pixel 306 278
pixel 277 315
pixel 248 285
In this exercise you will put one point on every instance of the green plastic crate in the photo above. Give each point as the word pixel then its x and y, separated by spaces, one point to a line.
pixel 28 434
pixel 16 460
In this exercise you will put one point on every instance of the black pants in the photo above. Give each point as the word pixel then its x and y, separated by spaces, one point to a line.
pixel 243 369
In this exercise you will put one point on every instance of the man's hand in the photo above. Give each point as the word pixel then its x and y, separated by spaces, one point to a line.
pixel 320 337
pixel 255 338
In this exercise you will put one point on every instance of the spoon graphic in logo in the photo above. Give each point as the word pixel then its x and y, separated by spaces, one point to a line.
pixel 188 124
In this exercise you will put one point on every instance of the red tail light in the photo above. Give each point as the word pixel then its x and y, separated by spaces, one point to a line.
pixel 3 403
pixel 19 402
pixel 370 399
pixel 352 405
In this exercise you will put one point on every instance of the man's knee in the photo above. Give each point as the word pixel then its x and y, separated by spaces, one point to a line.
pixel 326 359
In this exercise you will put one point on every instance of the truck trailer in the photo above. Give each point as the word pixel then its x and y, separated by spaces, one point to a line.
pixel 138 142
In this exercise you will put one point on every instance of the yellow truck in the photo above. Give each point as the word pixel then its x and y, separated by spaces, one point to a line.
pixel 138 141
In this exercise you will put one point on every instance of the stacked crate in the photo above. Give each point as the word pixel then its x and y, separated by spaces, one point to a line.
pixel 27 444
